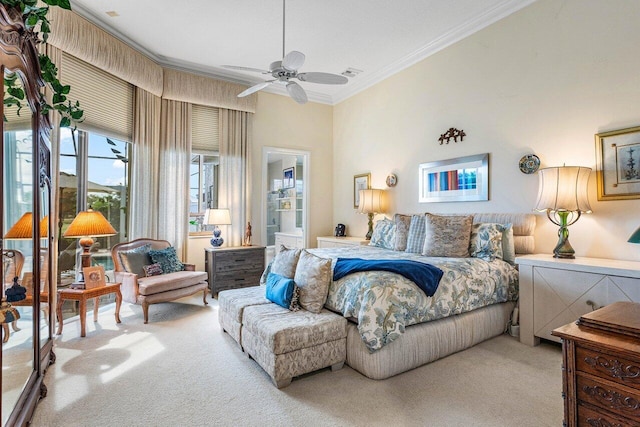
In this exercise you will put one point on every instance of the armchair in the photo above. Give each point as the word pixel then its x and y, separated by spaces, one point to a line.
pixel 154 289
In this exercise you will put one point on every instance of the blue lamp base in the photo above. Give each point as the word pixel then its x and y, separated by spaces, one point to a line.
pixel 217 241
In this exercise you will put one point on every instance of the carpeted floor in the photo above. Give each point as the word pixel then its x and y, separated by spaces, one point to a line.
pixel 181 370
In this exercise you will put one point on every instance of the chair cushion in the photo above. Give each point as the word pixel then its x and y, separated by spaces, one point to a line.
pixel 170 281
pixel 283 331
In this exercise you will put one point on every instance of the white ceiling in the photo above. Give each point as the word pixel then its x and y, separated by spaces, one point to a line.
pixel 379 37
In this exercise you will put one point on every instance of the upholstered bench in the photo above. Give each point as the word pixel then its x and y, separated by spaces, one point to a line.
pixel 231 304
pixel 290 343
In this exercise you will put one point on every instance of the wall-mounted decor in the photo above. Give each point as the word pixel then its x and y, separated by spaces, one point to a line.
pixel 452 133
pixel 464 179
pixel 360 182
pixel 618 164
pixel 392 180
pixel 529 164
pixel 289 178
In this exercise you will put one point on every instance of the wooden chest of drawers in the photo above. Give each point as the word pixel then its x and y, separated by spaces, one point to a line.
pixel 601 367
pixel 234 267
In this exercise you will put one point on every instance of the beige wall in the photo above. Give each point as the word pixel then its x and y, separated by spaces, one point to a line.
pixel 542 81
pixel 280 122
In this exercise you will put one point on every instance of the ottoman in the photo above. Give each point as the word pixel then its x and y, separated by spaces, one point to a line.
pixel 290 343
pixel 231 304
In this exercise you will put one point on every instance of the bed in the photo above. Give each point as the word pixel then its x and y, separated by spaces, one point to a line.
pixel 394 326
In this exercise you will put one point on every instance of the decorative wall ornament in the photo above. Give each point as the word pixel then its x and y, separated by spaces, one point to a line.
pixel 452 133
pixel 529 164
pixel 392 180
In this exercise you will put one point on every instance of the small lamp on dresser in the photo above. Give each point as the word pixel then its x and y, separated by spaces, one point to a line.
pixel 217 217
pixel 372 201
pixel 562 194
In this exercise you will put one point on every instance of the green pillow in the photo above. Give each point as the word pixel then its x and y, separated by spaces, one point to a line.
pixel 167 258
pixel 134 260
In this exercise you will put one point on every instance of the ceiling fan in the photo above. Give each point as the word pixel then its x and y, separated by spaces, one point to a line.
pixel 287 69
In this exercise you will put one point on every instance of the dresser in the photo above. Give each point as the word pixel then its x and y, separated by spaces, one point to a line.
pixel 601 367
pixel 554 292
pixel 233 267
pixel 339 242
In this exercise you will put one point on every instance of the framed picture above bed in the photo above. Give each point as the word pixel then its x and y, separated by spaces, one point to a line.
pixel 463 179
pixel 618 164
pixel 360 182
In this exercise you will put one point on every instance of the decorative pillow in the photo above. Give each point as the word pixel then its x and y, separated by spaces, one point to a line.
pixel 486 241
pixel 135 259
pixel 508 245
pixel 403 222
pixel 415 238
pixel 384 234
pixel 313 276
pixel 447 236
pixel 279 289
pixel 265 273
pixel 167 258
pixel 152 270
pixel 285 262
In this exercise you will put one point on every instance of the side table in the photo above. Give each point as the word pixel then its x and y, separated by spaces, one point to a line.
pixel 83 295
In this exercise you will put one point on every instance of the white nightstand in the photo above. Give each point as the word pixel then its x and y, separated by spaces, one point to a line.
pixel 338 242
pixel 554 292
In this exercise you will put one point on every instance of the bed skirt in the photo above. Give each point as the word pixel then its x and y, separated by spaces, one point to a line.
pixel 426 342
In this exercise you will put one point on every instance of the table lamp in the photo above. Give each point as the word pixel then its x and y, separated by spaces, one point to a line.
pixel 23 229
pixel 217 217
pixel 372 201
pixel 562 194
pixel 86 225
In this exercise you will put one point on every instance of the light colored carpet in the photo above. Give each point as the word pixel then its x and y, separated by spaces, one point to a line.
pixel 181 369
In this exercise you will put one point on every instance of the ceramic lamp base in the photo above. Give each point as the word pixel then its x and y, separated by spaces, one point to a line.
pixel 217 240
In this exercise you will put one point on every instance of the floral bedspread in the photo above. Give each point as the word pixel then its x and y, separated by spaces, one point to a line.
pixel 385 303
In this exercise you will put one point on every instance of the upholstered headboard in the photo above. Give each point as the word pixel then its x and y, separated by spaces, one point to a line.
pixel 523 228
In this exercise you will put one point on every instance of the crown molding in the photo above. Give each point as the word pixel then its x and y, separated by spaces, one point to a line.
pixel 365 81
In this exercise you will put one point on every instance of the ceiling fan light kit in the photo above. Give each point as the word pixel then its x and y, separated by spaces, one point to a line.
pixel 287 69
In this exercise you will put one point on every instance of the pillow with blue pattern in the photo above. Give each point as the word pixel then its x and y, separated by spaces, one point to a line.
pixel 167 258
pixel 384 234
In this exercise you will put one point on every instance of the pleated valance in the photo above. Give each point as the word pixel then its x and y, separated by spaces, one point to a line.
pixel 77 36
pixel 187 87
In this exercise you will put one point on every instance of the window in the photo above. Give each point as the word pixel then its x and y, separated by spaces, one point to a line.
pixel 94 172
pixel 203 189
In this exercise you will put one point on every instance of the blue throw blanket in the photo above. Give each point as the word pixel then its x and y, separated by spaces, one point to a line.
pixel 426 276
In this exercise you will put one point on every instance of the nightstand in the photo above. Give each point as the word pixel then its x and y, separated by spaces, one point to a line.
pixel 338 242
pixel 233 267
pixel 554 292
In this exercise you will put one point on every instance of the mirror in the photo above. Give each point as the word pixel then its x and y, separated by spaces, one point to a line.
pixel 18 191
pixel 285 196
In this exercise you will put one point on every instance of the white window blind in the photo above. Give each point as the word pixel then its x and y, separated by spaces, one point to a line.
pixel 15 121
pixel 107 101
pixel 204 129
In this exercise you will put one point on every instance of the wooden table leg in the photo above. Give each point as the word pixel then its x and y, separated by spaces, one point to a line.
pixel 83 316
pixel 59 314
pixel 96 303
pixel 118 303
pixel 5 331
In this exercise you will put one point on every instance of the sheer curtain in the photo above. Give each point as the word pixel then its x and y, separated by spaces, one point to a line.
pixel 144 193
pixel 235 169
pixel 173 174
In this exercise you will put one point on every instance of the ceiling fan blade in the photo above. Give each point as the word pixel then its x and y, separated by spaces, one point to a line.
pixel 293 60
pixel 297 93
pixel 236 67
pixel 324 78
pixel 255 88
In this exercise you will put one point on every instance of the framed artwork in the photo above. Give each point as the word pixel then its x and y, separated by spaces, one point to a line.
pixel 464 179
pixel 94 277
pixel 289 178
pixel 618 164
pixel 360 182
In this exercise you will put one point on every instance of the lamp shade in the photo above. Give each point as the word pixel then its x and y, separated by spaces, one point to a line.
pixel 89 223
pixel 635 237
pixel 372 201
pixel 563 189
pixel 23 229
pixel 217 217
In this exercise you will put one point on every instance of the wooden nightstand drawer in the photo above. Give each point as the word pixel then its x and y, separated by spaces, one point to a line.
pixel 618 399
pixel 240 260
pixel 234 267
pixel 590 417
pixel 609 366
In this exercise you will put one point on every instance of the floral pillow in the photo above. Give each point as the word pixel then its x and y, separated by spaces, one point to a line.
pixel 447 235
pixel 167 258
pixel 313 276
pixel 486 241
pixel 152 270
pixel 384 234
pixel 403 222
pixel 415 238
pixel 285 262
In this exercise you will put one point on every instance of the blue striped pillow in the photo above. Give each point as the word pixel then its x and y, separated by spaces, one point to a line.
pixel 415 238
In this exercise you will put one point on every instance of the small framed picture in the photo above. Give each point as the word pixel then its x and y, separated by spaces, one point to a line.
pixel 289 178
pixel 360 182
pixel 94 277
pixel 618 164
